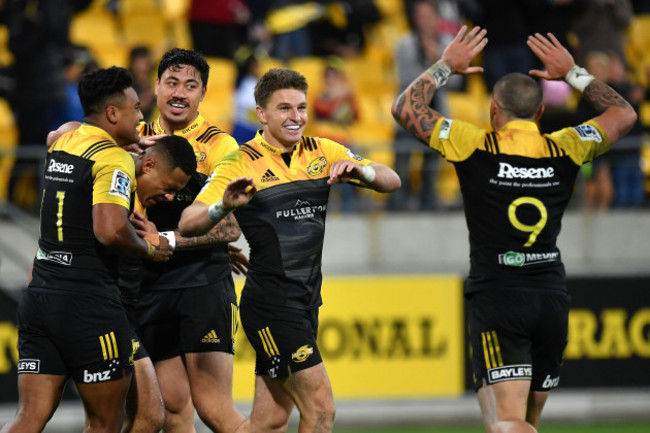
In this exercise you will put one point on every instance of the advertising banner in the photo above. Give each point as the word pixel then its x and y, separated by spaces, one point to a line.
pixel 383 337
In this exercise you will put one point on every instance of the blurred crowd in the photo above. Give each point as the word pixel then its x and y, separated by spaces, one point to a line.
pixel 356 54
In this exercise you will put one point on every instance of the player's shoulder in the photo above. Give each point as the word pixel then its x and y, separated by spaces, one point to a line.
pixel 314 143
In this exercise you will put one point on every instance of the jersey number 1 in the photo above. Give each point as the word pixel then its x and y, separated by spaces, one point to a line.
pixel 60 195
pixel 534 230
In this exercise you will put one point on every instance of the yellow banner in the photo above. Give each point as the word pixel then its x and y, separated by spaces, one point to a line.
pixel 398 336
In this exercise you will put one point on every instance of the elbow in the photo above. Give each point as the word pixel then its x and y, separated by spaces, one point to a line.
pixel 395 111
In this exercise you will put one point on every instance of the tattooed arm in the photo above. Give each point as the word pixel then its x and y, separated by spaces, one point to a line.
pixel 617 116
pixel 227 230
pixel 411 109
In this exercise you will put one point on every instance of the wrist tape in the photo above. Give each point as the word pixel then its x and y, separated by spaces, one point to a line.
pixel 578 78
pixel 368 174
pixel 171 238
pixel 217 212
pixel 440 73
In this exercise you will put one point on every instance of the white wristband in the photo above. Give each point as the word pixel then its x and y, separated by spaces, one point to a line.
pixel 440 73
pixel 578 78
pixel 217 212
pixel 368 174
pixel 171 238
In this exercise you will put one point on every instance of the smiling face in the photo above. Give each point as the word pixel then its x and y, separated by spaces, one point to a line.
pixel 284 118
pixel 179 91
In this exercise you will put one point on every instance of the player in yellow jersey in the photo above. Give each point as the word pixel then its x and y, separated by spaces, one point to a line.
pixel 71 321
pixel 516 184
pixel 188 307
pixel 284 224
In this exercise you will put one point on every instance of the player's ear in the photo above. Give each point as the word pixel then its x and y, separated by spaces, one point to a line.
pixel 260 114
pixel 112 113
pixel 539 112
pixel 148 164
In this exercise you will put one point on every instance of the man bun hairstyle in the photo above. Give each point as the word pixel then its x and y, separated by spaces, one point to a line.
pixel 97 87
pixel 519 95
pixel 174 58
pixel 278 79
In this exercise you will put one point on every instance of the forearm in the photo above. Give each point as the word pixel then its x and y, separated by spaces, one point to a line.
pixel 195 220
pixel 385 179
pixel 617 116
pixel 412 108
pixel 227 230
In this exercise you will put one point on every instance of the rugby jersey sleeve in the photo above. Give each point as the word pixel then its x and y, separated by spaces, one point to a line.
pixel 114 177
pixel 219 150
pixel 337 152
pixel 230 167
pixel 583 142
pixel 456 140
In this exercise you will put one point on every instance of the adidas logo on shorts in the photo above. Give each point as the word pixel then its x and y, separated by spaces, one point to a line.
pixel 210 337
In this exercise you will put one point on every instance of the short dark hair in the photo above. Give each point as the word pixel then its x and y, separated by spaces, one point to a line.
pixel 177 152
pixel 519 95
pixel 278 79
pixel 97 87
pixel 179 56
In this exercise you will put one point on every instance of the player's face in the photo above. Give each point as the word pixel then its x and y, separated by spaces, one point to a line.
pixel 157 184
pixel 179 91
pixel 130 117
pixel 284 118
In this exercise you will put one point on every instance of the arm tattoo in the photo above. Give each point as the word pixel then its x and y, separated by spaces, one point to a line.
pixel 601 96
pixel 226 231
pixel 412 111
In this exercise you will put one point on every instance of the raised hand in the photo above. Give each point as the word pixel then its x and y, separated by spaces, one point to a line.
pixel 556 59
pixel 238 193
pixel 461 51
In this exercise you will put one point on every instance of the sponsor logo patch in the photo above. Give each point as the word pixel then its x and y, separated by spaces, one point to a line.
pixel 302 353
pixel 101 376
pixel 210 337
pixel 59 257
pixel 121 185
pixel 301 210
pixel 59 167
pixel 269 176
pixel 508 171
pixel 29 366
pixel 510 372
pixel 445 129
pixel 317 166
pixel 588 133
pixel 551 382
pixel 353 155
pixel 518 259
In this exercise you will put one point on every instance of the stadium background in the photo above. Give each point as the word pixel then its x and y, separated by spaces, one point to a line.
pixel 392 326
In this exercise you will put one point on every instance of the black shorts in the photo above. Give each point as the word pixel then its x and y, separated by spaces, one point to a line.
pixel 284 339
pixel 192 320
pixel 139 351
pixel 86 337
pixel 518 334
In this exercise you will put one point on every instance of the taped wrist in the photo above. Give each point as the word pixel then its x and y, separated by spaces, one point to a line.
pixel 578 78
pixel 171 238
pixel 152 240
pixel 440 73
pixel 217 212
pixel 368 174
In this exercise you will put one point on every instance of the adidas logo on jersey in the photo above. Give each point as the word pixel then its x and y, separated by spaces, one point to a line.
pixel 210 337
pixel 269 176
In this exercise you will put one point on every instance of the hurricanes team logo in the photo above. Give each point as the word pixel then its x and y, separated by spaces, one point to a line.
pixel 302 353
pixel 317 166
pixel 200 156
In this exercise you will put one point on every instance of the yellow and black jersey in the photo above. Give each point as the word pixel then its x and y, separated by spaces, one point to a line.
pixel 83 168
pixel 516 184
pixel 284 223
pixel 198 267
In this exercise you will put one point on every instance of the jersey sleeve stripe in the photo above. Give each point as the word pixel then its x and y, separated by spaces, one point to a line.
pixel 252 153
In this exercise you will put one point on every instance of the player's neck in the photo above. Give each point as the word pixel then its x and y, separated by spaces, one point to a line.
pixel 286 148
pixel 170 127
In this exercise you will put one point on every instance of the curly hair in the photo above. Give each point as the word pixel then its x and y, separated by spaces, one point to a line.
pixel 176 57
pixel 96 88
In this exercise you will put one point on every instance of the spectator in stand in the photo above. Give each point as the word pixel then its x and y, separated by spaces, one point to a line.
pixel 77 61
pixel 414 52
pixel 219 26
pixel 336 109
pixel 141 67
pixel 245 124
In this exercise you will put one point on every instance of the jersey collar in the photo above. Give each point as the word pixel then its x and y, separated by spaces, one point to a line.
pixel 527 125
pixel 259 140
pixel 183 132
pixel 87 129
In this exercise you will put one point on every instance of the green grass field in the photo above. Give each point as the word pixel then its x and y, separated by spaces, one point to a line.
pixel 548 428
